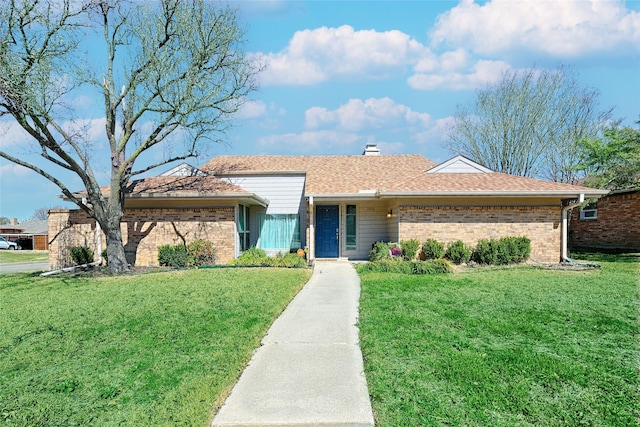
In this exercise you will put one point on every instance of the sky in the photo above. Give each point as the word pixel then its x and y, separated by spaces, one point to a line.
pixel 343 74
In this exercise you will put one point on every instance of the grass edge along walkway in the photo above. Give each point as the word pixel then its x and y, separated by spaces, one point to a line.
pixel 11 257
pixel 152 349
pixel 504 346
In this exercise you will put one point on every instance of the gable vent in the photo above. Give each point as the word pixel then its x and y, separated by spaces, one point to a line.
pixel 371 150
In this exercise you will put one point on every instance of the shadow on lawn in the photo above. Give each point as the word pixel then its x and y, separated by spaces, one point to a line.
pixel 606 257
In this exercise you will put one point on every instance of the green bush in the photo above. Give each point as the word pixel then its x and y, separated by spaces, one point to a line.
pixel 379 251
pixel 81 255
pixel 521 248
pixel 433 266
pixel 201 252
pixel 485 252
pixel 409 249
pixel 406 267
pixel 506 250
pixel 432 249
pixel 387 266
pixel 104 256
pixel 252 257
pixel 290 260
pixel 255 257
pixel 173 256
pixel 457 252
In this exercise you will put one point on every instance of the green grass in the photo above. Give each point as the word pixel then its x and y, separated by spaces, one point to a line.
pixel 7 257
pixel 511 346
pixel 147 350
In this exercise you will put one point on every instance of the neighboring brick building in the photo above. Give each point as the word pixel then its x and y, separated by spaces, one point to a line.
pixel 613 222
pixel 334 206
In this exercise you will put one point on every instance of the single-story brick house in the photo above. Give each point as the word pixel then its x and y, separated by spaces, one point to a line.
pixel 30 235
pixel 333 206
pixel 611 222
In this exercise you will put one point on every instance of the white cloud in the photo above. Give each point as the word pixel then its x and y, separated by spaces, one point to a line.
pixel 310 142
pixel 480 74
pixel 557 28
pixel 373 113
pixel 313 56
pixel 437 132
pixel 12 170
pixel 391 147
pixel 12 134
pixel 252 110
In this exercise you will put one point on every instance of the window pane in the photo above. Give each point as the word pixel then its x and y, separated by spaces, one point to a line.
pixel 241 221
pixel 351 227
pixel 246 241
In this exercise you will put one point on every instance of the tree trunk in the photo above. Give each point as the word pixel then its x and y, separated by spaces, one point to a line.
pixel 115 250
pixel 110 217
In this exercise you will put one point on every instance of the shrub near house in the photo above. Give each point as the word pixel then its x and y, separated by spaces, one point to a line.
pixel 506 250
pixel 196 254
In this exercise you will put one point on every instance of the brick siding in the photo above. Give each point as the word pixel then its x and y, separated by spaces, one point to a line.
pixel 617 225
pixel 541 224
pixel 143 230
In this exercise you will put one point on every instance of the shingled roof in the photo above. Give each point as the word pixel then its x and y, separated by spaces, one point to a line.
pixel 492 183
pixel 391 175
pixel 185 187
pixel 328 174
pixel 181 186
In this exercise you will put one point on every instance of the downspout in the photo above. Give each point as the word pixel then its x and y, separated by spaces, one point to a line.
pixel 312 239
pixel 99 242
pixel 565 220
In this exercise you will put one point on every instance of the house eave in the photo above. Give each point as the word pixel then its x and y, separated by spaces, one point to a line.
pixel 562 194
pixel 239 173
pixel 362 195
pixel 245 197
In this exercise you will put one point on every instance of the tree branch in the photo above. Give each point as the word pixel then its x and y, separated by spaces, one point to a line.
pixel 51 178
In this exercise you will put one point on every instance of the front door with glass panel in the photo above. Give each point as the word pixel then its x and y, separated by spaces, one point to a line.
pixel 327 226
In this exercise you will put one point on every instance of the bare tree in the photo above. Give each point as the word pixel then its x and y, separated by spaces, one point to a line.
pixel 42 214
pixel 170 73
pixel 528 124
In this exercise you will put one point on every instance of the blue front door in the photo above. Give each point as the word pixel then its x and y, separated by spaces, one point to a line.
pixel 327 232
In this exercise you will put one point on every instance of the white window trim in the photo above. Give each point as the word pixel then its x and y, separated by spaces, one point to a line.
pixel 589 214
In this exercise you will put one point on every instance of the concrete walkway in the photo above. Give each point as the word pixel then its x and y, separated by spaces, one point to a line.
pixel 24 267
pixel 308 371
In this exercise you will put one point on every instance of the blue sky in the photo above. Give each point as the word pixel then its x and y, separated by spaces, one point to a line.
pixel 343 74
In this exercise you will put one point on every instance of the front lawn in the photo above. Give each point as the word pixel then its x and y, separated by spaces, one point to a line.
pixel 7 256
pixel 145 350
pixel 504 346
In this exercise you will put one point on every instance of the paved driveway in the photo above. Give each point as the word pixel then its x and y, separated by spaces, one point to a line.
pixel 24 267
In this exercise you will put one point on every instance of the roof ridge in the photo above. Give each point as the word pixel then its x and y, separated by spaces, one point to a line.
pixel 257 156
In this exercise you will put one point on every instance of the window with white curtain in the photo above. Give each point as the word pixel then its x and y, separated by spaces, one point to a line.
pixel 279 231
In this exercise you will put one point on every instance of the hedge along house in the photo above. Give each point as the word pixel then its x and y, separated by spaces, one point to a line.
pixel 333 206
